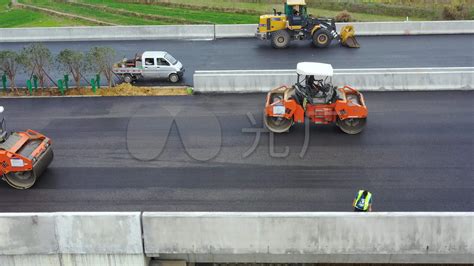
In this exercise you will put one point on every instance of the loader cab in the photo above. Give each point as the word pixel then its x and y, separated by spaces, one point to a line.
pixel 296 12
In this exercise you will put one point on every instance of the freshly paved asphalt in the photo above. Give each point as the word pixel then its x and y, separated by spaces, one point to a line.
pixel 250 53
pixel 119 154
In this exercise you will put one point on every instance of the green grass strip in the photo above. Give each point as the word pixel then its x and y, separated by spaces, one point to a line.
pixel 16 17
pixel 92 13
pixel 181 13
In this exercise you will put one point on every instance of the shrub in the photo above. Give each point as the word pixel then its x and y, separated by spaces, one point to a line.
pixel 10 62
pixel 38 60
pixel 344 16
pixel 101 60
pixel 72 62
pixel 455 12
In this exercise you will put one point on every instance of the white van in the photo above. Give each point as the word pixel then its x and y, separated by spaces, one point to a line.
pixel 150 65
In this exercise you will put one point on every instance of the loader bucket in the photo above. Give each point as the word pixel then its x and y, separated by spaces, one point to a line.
pixel 348 37
pixel 26 179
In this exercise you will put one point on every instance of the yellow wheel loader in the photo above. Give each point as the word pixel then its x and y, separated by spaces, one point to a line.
pixel 296 24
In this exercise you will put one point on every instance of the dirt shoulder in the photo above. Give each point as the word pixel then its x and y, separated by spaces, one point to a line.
pixel 119 90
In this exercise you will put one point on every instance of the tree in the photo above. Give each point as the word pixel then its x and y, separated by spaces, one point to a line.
pixel 101 60
pixel 72 62
pixel 38 59
pixel 10 62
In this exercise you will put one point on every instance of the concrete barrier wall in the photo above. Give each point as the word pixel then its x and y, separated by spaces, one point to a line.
pixel 72 238
pixel 116 238
pixel 412 27
pixel 388 79
pixel 75 260
pixel 236 31
pixel 216 31
pixel 370 28
pixel 311 237
pixel 100 33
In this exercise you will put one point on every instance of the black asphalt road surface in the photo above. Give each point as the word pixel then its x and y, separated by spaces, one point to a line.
pixel 193 153
pixel 250 53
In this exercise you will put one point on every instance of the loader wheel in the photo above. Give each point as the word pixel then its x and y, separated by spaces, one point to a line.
pixel 173 78
pixel 281 39
pixel 352 126
pixel 21 180
pixel 322 38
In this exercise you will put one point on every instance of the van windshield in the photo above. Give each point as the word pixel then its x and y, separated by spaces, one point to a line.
pixel 171 59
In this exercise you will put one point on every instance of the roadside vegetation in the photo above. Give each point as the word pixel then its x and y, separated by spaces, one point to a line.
pixel 90 12
pixel 361 10
pixel 119 90
pixel 161 12
pixel 16 17
pixel 36 62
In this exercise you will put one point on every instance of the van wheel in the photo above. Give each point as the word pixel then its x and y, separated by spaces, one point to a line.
pixel 174 78
pixel 127 78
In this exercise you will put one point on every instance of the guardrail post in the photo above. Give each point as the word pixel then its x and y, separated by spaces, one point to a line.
pixel 97 80
pixel 28 85
pixel 35 82
pixel 4 81
pixel 93 85
pixel 61 86
pixel 66 81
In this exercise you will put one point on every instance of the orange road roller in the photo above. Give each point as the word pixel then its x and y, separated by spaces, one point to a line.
pixel 24 156
pixel 314 97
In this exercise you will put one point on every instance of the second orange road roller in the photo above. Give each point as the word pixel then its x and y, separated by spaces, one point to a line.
pixel 24 156
pixel 314 97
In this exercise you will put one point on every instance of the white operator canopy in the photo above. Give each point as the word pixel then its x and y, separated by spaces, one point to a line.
pixel 314 69
pixel 296 2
